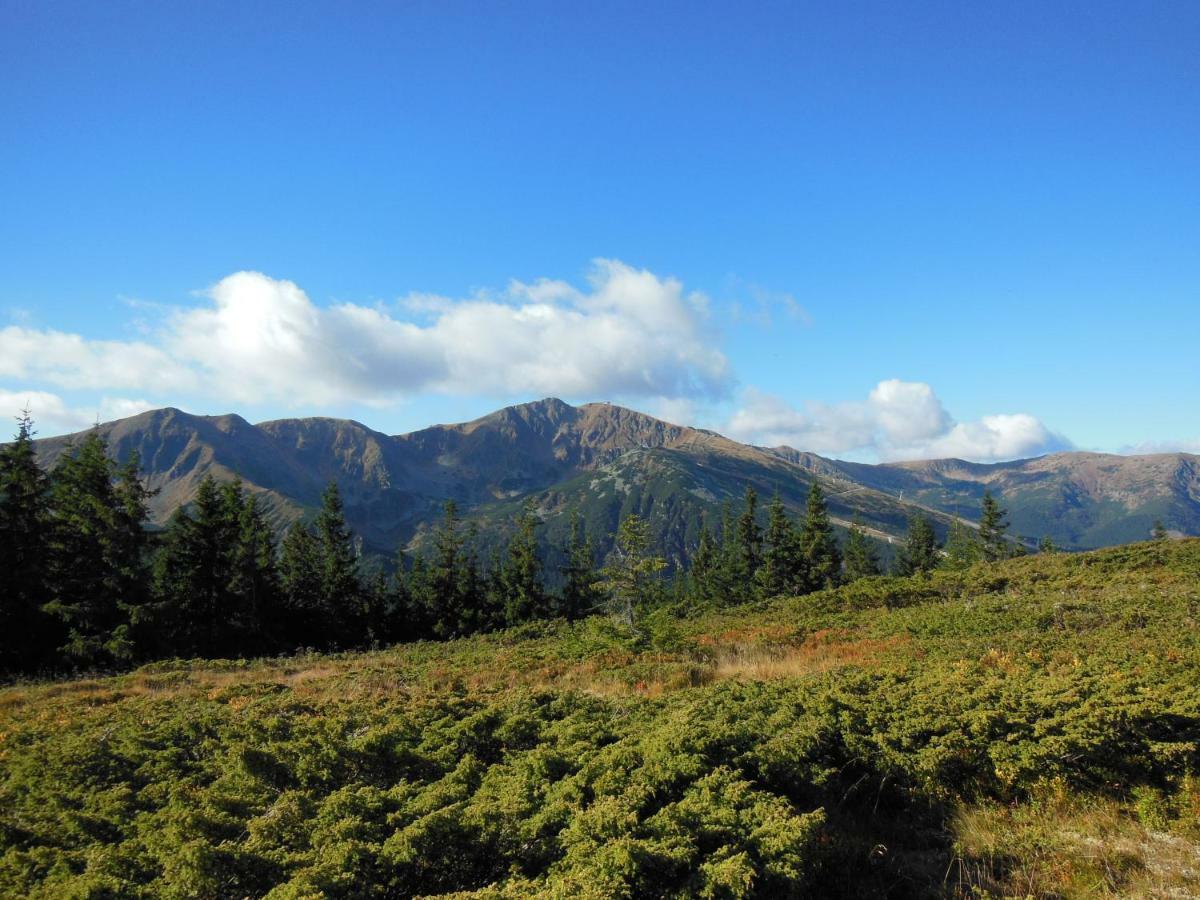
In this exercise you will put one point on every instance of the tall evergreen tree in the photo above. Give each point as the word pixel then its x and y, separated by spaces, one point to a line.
pixel 819 546
pixel 705 571
pixel 28 637
pixel 341 595
pixel 580 595
pixel 192 575
pixel 98 553
pixel 963 548
pixel 1159 532
pixel 992 526
pixel 524 596
pixel 727 572
pixel 630 578
pixel 859 559
pixel 254 576
pixel 784 569
pixel 920 551
pixel 747 550
pixel 301 623
pixel 442 594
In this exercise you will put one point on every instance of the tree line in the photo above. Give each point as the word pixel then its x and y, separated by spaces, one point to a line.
pixel 87 586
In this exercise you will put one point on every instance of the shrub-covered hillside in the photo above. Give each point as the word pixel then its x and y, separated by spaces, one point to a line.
pixel 1029 728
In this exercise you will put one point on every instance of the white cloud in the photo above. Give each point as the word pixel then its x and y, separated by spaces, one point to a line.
pixel 899 420
pixel 630 333
pixel 53 415
pixel 1147 447
pixel 71 361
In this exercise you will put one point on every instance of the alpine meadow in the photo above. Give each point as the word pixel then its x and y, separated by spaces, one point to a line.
pixel 622 452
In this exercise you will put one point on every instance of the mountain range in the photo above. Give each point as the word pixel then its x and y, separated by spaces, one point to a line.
pixel 604 461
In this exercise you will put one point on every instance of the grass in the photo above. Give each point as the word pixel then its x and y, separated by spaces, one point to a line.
pixel 1025 729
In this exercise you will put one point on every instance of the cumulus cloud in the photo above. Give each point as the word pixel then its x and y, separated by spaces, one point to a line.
pixel 53 415
pixel 628 333
pixel 898 420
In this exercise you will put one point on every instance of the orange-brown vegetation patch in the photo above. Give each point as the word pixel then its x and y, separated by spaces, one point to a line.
pixel 820 652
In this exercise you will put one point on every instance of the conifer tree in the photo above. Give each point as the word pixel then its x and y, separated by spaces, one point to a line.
pixel 859 559
pixel 482 609
pixel 963 548
pixel 1159 532
pixel 579 593
pixel 341 599
pixel 822 558
pixel 98 553
pixel 704 572
pixel 920 551
pixel 524 596
pixel 992 526
pixel 418 588
pixel 27 634
pixel 630 578
pixel 444 609
pixel 254 577
pixel 300 574
pixel 1046 545
pixel 192 578
pixel 748 548
pixel 726 573
pixel 784 569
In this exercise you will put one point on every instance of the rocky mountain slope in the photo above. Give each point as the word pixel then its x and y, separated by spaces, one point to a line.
pixel 605 461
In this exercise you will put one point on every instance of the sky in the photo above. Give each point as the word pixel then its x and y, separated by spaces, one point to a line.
pixel 872 230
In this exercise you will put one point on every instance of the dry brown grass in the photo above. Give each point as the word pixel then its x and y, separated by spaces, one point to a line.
pixel 820 652
pixel 1062 846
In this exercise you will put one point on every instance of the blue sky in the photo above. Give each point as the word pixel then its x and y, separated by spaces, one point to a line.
pixel 875 230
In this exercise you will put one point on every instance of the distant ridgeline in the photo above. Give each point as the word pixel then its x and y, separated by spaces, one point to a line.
pixel 89 586
pixel 605 462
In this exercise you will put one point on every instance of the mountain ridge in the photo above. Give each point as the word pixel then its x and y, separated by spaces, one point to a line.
pixel 395 485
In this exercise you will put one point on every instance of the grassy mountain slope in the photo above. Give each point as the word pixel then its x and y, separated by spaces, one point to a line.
pixel 1022 729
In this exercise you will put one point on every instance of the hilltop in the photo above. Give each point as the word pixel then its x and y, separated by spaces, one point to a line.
pixel 1028 728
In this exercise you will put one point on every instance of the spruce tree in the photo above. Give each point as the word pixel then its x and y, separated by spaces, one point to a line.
pixel 859 559
pixel 579 593
pixel 992 526
pixel 475 597
pixel 726 573
pixel 748 549
pixel 341 598
pixel 444 609
pixel 28 637
pixel 630 578
pixel 524 596
pixel 98 564
pixel 784 569
pixel 704 574
pixel 254 576
pixel 963 548
pixel 1159 532
pixel 920 551
pixel 194 607
pixel 822 558
pixel 300 574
